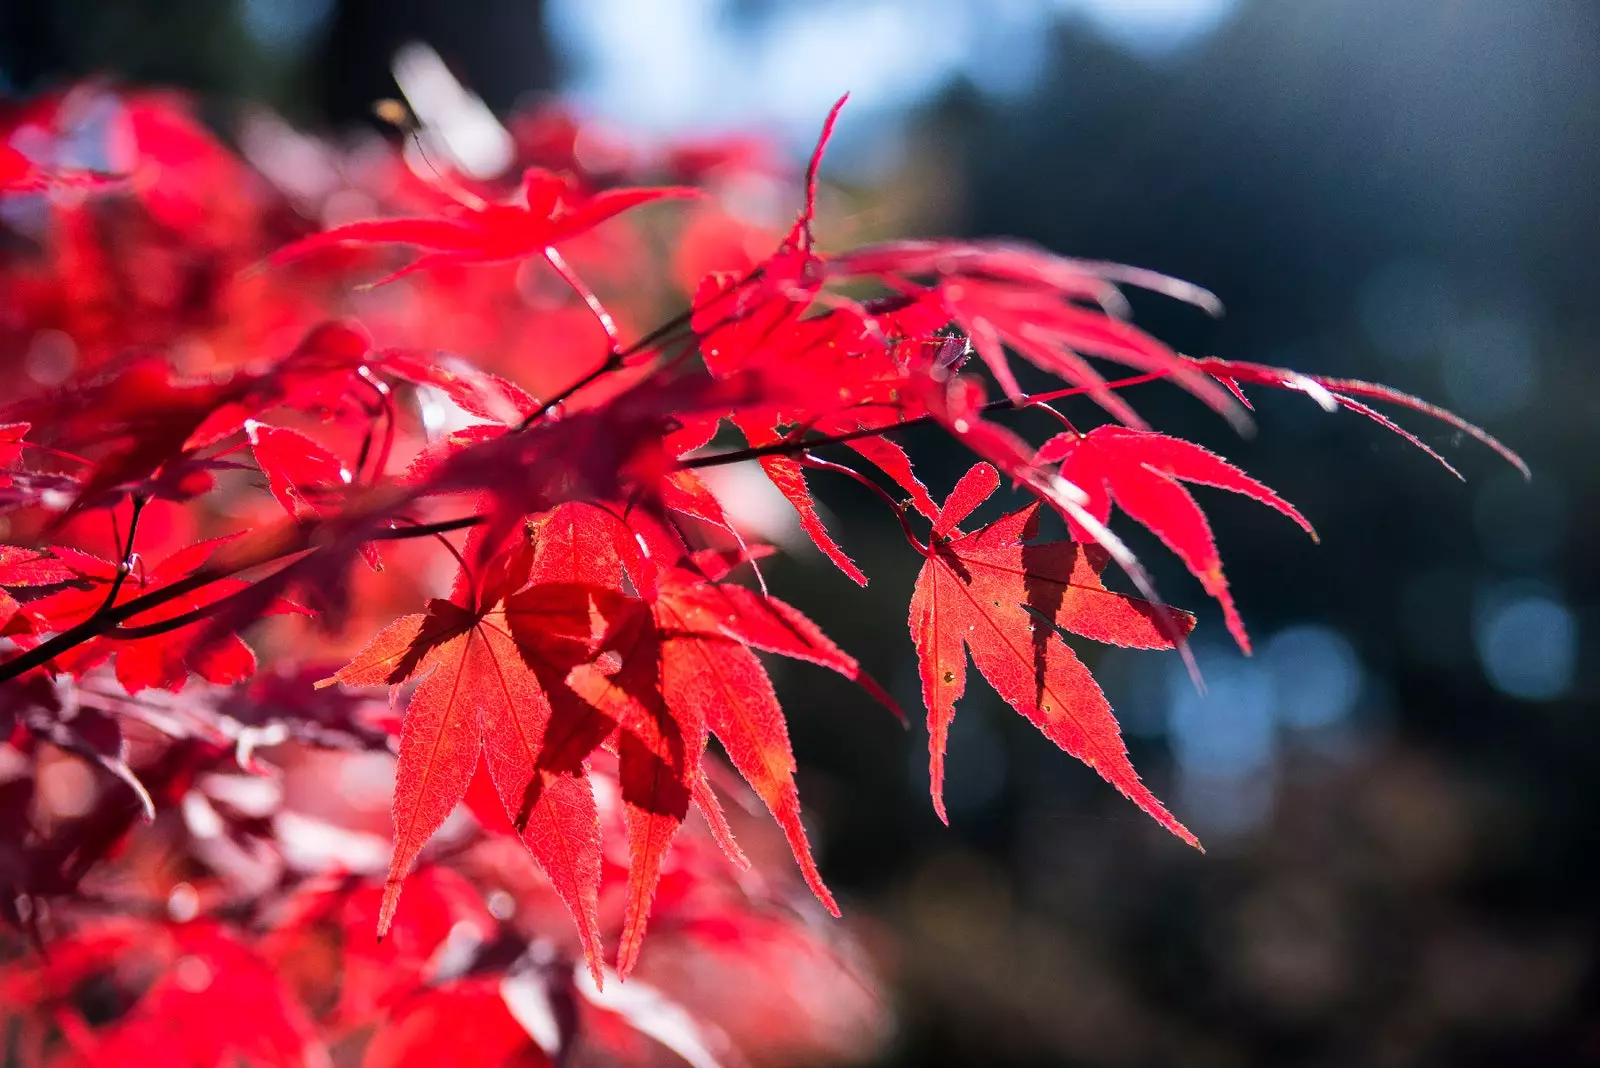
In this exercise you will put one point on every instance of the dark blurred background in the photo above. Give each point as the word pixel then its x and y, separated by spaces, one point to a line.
pixel 1401 791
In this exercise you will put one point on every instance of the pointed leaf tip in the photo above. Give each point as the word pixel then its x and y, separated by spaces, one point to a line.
pixel 976 486
pixel 814 167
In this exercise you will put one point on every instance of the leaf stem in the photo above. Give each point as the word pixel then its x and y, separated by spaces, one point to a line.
pixel 899 510
pixel 569 276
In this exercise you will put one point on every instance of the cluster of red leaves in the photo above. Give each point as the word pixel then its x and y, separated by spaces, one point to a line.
pixel 202 366
pixel 221 935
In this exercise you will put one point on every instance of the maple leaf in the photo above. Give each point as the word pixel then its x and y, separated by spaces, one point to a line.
pixel 301 474
pixel 151 421
pixel 476 695
pixel 482 694
pixel 427 1028
pixel 180 1024
pixel 296 466
pixel 339 912
pixel 992 594
pixel 470 388
pixel 1010 261
pixel 1141 471
pixel 551 212
pixel 1332 393
pixel 194 980
pixel 317 377
pixel 659 674
pixel 1033 301
pixel 143 407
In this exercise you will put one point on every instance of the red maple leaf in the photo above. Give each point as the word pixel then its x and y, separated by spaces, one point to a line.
pixel 1141 471
pixel 993 594
pixel 536 679
pixel 11 435
pixel 551 212
pixel 299 470
pixel 1332 393
pixel 483 697
pixel 20 567
pixel 477 696
pixel 675 667
pixel 592 644
pixel 180 989
pixel 428 1027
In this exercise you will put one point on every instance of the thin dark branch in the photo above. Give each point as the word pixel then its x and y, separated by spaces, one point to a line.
pixel 125 565
pixel 613 361
pixel 103 622
pixel 679 321
pixel 428 530
pixel 178 622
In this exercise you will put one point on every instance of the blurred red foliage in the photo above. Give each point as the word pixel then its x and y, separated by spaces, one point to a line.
pixel 226 393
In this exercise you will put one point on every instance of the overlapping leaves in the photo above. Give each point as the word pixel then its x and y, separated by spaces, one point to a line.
pixel 547 661
pixel 593 617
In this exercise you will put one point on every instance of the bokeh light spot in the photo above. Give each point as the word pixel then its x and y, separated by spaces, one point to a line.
pixel 1227 732
pixel 1528 646
pixel 1316 674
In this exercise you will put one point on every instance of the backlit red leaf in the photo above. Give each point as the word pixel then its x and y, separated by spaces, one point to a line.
pixel 439 743
pixel 989 594
pixel 299 470
pixel 552 213
pixel 1140 471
